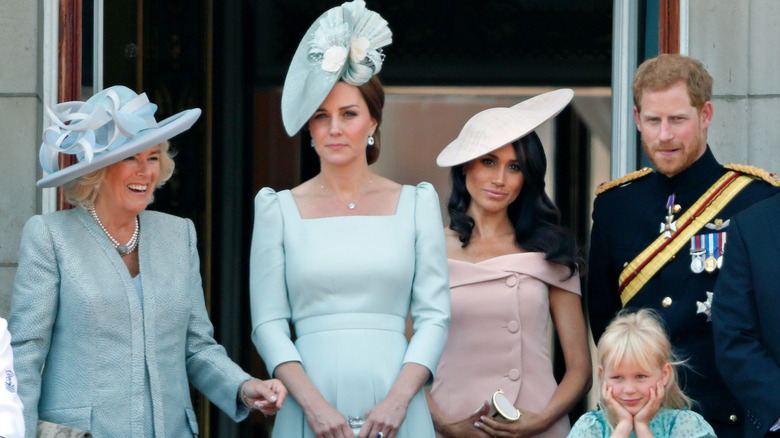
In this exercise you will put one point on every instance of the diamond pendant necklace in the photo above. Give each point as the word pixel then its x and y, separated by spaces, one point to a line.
pixel 122 249
pixel 350 205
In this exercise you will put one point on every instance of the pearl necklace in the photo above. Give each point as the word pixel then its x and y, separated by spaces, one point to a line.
pixel 128 247
pixel 350 205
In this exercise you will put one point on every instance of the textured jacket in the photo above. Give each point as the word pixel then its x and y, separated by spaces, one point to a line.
pixel 84 341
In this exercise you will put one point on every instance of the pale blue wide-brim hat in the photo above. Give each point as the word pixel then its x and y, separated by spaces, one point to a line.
pixel 110 126
pixel 345 43
pixel 494 128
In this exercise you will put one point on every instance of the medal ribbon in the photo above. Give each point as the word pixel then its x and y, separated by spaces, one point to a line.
pixel 655 256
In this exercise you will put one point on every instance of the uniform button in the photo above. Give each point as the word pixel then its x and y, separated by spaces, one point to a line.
pixel 666 302
pixel 513 326
pixel 511 281
pixel 514 374
pixel 733 418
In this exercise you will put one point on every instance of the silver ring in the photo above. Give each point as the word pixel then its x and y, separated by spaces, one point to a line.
pixel 380 435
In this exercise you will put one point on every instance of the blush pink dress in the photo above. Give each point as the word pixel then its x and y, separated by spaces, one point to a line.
pixel 499 335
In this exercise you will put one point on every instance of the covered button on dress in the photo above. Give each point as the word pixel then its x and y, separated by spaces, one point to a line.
pixel 499 335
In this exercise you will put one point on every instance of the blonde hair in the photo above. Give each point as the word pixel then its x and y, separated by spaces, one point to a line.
pixel 84 190
pixel 639 337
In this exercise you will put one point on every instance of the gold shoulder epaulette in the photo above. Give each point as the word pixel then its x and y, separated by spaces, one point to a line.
pixel 603 187
pixel 771 178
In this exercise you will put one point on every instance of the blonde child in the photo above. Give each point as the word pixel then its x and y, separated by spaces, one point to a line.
pixel 639 392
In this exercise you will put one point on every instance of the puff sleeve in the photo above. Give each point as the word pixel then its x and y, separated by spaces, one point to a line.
pixel 689 424
pixel 590 425
pixel 33 312
pixel 269 301
pixel 430 304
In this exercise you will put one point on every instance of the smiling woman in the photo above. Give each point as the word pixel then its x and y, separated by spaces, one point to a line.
pixel 83 191
pixel 107 298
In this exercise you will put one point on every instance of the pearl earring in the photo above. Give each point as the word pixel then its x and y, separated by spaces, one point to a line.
pixel 371 139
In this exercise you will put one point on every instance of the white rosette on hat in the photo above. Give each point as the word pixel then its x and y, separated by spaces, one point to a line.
pixel 345 43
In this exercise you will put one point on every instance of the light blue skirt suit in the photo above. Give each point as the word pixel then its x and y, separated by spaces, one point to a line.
pixel 114 361
pixel 347 284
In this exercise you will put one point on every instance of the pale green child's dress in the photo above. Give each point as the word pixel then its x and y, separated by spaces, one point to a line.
pixel 667 423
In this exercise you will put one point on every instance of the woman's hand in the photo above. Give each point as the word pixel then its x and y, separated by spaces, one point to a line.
pixel 266 396
pixel 465 428
pixel 528 424
pixel 624 418
pixel 327 422
pixel 386 417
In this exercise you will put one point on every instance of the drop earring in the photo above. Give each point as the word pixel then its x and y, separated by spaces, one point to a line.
pixel 312 142
pixel 371 139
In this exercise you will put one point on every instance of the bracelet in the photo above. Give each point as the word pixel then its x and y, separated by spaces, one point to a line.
pixel 243 396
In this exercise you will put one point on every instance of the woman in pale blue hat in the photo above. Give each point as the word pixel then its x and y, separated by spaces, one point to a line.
pixel 108 319
pixel 346 255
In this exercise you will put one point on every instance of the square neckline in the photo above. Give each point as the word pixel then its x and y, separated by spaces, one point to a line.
pixel 395 213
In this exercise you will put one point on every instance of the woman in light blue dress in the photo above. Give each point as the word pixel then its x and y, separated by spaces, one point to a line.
pixel 347 255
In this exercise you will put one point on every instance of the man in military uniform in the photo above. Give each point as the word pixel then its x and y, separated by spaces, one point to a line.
pixel 745 316
pixel 658 236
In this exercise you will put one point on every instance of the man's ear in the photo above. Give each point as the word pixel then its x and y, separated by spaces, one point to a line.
pixel 636 119
pixel 705 114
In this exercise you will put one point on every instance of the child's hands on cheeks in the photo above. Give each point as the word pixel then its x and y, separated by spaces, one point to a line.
pixel 648 411
pixel 625 419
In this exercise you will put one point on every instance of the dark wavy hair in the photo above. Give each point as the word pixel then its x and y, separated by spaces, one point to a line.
pixel 536 219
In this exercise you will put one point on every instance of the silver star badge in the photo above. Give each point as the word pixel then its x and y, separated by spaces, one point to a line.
pixel 705 307
pixel 668 227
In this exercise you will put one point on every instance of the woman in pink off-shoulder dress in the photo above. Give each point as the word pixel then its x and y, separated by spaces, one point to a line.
pixel 511 266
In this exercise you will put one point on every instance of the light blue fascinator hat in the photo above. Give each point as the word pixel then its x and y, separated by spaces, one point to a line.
pixel 112 125
pixel 493 128
pixel 345 43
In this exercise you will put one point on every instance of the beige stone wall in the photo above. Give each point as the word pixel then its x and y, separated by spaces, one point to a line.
pixel 739 43
pixel 19 130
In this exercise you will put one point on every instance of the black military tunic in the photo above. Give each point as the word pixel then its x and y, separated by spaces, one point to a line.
pixel 626 220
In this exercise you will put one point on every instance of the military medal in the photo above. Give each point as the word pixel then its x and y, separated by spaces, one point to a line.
pixel 714 249
pixel 669 225
pixel 710 264
pixel 697 255
pixel 697 264
pixel 705 307
pixel 720 244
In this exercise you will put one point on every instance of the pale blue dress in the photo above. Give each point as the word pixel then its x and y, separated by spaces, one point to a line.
pixel 347 284
pixel 667 423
